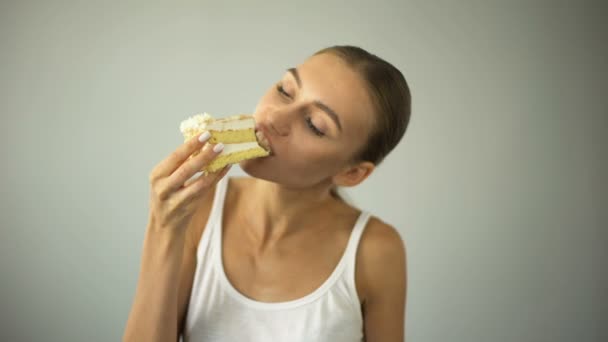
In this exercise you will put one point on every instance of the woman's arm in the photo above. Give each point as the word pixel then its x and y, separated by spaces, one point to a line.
pixel 153 315
pixel 188 267
pixel 175 198
pixel 165 281
pixel 382 266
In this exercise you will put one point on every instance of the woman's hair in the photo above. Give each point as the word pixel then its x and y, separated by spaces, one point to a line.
pixel 391 100
pixel 390 97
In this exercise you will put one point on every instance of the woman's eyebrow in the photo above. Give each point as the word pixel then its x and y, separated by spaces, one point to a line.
pixel 332 114
pixel 296 75
pixel 325 108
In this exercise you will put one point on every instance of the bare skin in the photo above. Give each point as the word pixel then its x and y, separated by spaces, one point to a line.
pixel 284 217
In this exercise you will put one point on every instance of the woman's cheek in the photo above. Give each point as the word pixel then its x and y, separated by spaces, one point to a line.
pixel 314 153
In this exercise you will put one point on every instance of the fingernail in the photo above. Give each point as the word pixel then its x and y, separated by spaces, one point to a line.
pixel 204 137
pixel 218 148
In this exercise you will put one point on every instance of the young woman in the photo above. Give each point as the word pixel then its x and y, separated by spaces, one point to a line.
pixel 279 256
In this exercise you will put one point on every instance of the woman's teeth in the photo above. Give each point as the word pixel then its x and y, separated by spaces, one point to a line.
pixel 263 141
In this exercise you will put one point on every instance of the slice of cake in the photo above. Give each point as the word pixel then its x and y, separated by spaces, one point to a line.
pixel 237 133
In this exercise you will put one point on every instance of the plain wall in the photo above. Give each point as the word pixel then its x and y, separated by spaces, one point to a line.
pixel 498 188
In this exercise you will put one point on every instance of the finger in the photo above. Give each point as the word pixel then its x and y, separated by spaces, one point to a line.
pixel 177 179
pixel 177 157
pixel 197 187
pixel 194 178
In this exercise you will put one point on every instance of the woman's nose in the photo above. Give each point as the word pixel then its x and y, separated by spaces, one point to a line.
pixel 277 120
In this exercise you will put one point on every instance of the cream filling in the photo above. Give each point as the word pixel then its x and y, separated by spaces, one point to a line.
pixel 232 148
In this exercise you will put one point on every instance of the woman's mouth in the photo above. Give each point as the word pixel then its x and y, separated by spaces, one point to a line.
pixel 263 140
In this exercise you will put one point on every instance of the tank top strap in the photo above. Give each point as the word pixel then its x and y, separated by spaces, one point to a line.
pixel 350 253
pixel 218 200
pixel 215 216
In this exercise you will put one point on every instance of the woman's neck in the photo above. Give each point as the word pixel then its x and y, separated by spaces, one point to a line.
pixel 275 211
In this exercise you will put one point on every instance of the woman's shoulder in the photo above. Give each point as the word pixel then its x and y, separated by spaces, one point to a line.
pixel 381 256
pixel 380 234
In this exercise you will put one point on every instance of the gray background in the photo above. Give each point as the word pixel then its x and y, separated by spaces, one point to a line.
pixel 499 187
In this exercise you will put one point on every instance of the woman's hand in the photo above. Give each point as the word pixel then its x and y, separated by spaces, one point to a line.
pixel 174 196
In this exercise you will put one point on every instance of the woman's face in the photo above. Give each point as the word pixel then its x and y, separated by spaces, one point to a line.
pixel 315 118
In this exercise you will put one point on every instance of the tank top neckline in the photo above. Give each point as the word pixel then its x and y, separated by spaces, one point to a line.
pixel 217 215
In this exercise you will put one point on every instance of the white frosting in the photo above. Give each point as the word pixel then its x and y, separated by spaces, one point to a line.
pixel 205 121
pixel 195 122
pixel 231 148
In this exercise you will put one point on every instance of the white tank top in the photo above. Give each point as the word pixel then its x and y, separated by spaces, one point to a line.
pixel 220 313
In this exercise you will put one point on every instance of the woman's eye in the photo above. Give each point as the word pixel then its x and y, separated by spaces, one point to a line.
pixel 282 91
pixel 314 128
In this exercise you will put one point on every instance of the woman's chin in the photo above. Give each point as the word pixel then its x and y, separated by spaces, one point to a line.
pixel 257 168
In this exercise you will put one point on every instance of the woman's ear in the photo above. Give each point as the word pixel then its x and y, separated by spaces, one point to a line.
pixel 354 174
